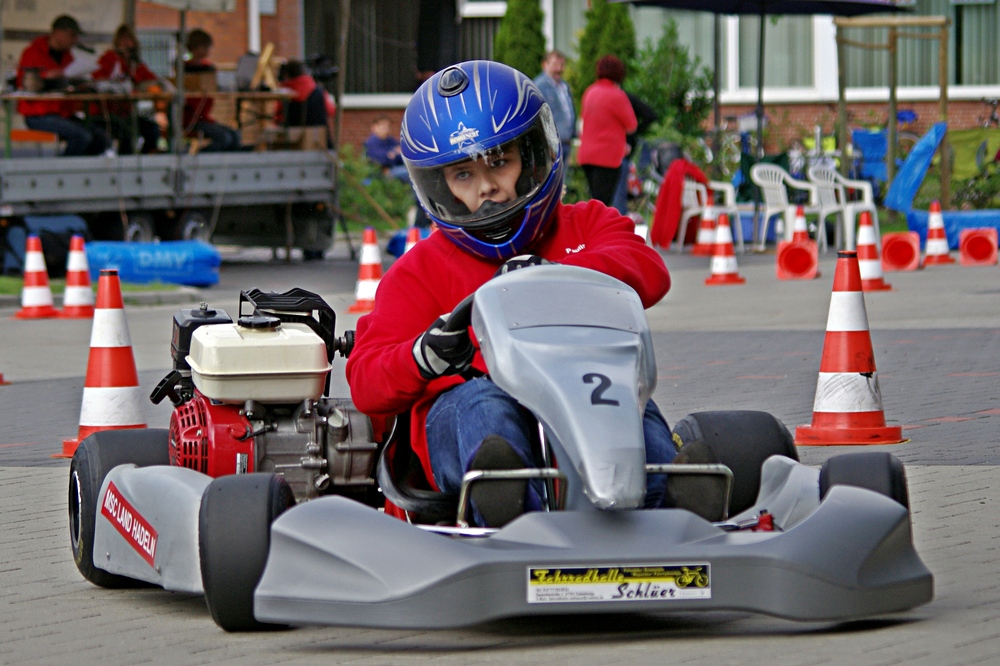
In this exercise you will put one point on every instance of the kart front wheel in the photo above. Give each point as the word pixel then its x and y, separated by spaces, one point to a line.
pixel 873 470
pixel 234 536
pixel 739 439
pixel 94 458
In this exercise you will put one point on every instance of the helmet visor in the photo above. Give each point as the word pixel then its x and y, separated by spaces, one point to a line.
pixel 484 186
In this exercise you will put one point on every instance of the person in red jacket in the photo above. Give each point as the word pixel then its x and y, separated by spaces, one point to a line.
pixel 48 56
pixel 607 118
pixel 197 116
pixel 122 64
pixel 486 162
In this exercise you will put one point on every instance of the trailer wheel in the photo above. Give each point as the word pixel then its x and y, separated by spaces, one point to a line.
pixel 741 440
pixel 192 225
pixel 140 228
pixel 94 458
pixel 234 536
pixel 873 470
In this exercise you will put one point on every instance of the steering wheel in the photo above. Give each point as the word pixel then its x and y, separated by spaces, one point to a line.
pixel 460 320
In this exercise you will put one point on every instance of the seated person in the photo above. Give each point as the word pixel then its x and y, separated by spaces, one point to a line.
pixel 197 110
pixel 382 148
pixel 311 106
pixel 122 63
pixel 48 56
pixel 494 196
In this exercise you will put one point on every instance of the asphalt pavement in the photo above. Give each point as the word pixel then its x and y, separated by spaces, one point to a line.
pixel 936 338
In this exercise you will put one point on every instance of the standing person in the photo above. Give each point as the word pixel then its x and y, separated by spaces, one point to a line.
pixel 48 56
pixel 646 116
pixel 122 63
pixel 607 118
pixel 198 110
pixel 556 92
pixel 490 174
pixel 312 106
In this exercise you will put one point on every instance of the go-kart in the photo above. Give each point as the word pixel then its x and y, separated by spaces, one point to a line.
pixel 264 494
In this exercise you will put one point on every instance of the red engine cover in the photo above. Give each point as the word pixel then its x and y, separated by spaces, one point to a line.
pixel 210 438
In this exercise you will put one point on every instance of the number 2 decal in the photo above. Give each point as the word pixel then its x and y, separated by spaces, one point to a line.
pixel 603 384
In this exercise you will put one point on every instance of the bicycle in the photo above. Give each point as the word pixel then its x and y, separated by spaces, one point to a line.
pixel 993 119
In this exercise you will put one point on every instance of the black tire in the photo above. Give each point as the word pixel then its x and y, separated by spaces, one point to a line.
pixel 234 536
pixel 873 470
pixel 140 228
pixel 94 458
pixel 740 440
pixel 192 225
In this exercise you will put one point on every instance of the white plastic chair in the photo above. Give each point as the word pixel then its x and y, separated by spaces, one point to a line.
pixel 831 190
pixel 772 181
pixel 694 203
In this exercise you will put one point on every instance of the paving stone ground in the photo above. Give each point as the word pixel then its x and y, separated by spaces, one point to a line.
pixel 936 339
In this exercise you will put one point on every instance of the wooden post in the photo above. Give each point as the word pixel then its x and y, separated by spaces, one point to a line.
pixel 943 117
pixel 843 136
pixel 890 153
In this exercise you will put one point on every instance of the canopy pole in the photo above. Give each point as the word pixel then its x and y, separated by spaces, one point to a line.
pixel 716 102
pixel 176 109
pixel 890 153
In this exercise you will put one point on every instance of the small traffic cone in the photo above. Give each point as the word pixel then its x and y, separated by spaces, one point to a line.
pixel 3 382
pixel 369 274
pixel 869 263
pixel 848 404
pixel 412 238
pixel 937 243
pixel 724 270
pixel 800 232
pixel 900 251
pixel 977 247
pixel 112 399
pixel 704 244
pixel 78 299
pixel 797 260
pixel 36 296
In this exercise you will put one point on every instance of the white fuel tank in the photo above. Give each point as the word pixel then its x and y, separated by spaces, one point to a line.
pixel 259 359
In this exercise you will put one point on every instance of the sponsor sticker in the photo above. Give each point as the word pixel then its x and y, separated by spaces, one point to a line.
pixel 129 523
pixel 653 582
pixel 241 463
pixel 463 135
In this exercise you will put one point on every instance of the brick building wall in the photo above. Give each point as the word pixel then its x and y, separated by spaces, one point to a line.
pixel 229 30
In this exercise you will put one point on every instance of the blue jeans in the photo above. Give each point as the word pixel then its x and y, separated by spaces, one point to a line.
pixel 462 417
pixel 80 139
pixel 222 137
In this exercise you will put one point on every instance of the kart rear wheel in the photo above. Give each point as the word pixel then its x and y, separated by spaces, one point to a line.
pixel 94 458
pixel 873 470
pixel 740 440
pixel 234 536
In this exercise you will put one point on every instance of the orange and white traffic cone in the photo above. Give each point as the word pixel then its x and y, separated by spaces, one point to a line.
pixel 3 382
pixel 112 398
pixel 704 244
pixel 412 238
pixel 977 247
pixel 369 274
pixel 848 406
pixel 36 295
pixel 869 262
pixel 800 232
pixel 724 269
pixel 78 299
pixel 936 251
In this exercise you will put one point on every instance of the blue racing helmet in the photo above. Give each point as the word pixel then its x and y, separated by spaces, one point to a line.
pixel 483 117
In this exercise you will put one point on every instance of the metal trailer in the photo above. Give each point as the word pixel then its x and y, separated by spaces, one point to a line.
pixel 275 198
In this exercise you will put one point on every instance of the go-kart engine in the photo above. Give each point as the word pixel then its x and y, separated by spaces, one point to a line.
pixel 318 446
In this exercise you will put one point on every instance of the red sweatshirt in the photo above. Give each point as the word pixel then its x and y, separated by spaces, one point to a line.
pixel 37 55
pixel 607 117
pixel 113 65
pixel 436 275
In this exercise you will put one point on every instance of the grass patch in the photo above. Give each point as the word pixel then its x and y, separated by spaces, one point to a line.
pixel 14 285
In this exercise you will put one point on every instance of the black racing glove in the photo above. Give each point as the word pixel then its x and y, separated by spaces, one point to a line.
pixel 521 261
pixel 439 352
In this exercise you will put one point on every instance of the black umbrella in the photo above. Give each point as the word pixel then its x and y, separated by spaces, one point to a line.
pixel 762 8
